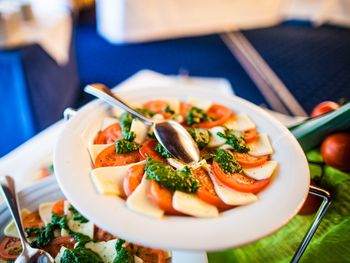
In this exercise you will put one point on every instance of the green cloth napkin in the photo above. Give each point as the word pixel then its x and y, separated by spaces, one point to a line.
pixel 331 242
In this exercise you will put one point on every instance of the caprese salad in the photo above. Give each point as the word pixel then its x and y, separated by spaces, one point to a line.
pixel 58 228
pixel 129 162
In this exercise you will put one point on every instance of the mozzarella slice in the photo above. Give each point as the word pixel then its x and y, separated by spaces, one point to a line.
pixel 11 230
pixel 109 180
pixel 261 172
pixel 45 211
pixel 140 130
pixel 59 255
pixel 241 122
pixel 108 121
pixel 105 249
pixel 215 140
pixel 226 147
pixel 178 165
pixel 260 146
pixel 83 228
pixel 230 196
pixel 190 204
pixel 139 202
pixel 174 104
pixel 200 103
pixel 95 149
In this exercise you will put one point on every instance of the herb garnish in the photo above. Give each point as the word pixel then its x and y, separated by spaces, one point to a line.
pixel 122 255
pixel 173 180
pixel 196 115
pixel 200 136
pixel 125 122
pixel 80 254
pixel 127 144
pixel 77 216
pixel 44 235
pixel 167 109
pixel 163 152
pixel 227 162
pixel 235 140
pixel 146 112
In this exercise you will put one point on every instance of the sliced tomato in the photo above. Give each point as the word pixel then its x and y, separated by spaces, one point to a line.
pixel 158 106
pixel 55 245
pixel 58 207
pixel 238 181
pixel 250 135
pixel 102 235
pixel 32 220
pixel 246 160
pixel 109 157
pixel 10 248
pixel 219 112
pixel 184 108
pixel 147 149
pixel 206 191
pixel 109 135
pixel 133 178
pixel 162 197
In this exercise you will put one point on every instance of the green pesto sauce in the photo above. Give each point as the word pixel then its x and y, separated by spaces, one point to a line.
pixel 44 235
pixel 80 254
pixel 163 152
pixel 200 136
pixel 146 112
pixel 196 115
pixel 227 162
pixel 77 216
pixel 125 122
pixel 127 144
pixel 235 140
pixel 122 255
pixel 173 180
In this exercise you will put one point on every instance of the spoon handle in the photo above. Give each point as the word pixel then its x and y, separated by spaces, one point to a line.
pixel 102 92
pixel 9 191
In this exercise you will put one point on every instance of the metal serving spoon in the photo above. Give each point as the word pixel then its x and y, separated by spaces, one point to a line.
pixel 171 135
pixel 28 254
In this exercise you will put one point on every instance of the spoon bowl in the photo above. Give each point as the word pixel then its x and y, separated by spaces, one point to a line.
pixel 170 134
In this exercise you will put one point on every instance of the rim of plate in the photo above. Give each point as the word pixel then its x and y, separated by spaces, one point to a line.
pixel 277 204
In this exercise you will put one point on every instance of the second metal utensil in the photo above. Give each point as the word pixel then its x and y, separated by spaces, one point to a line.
pixel 28 254
pixel 170 134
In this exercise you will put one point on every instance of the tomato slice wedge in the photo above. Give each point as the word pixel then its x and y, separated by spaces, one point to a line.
pixel 10 248
pixel 162 197
pixel 55 245
pixel 246 160
pixel 109 157
pixel 250 135
pixel 109 135
pixel 147 254
pixel 219 112
pixel 158 106
pixel 147 149
pixel 58 208
pixel 206 191
pixel 238 181
pixel 102 235
pixel 133 178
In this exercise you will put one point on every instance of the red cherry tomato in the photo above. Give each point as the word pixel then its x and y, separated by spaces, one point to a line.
pixel 323 108
pixel 335 150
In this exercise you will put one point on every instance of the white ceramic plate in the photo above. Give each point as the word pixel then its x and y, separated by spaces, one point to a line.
pixel 47 190
pixel 277 204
